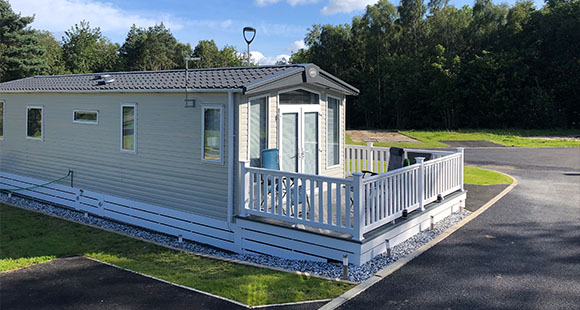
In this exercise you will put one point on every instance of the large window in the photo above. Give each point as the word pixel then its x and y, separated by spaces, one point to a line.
pixel 212 133
pixel 1 120
pixel 332 132
pixel 129 127
pixel 86 116
pixel 258 129
pixel 34 123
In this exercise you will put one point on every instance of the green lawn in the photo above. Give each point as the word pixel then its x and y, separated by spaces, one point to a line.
pixel 28 238
pixel 514 137
pixel 478 176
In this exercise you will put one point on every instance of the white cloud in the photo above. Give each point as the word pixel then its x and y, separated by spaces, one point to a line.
pixel 345 6
pixel 297 45
pixel 267 60
pixel 58 15
pixel 226 24
pixel 291 2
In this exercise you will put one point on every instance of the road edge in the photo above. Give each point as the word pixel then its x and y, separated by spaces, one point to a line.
pixel 340 300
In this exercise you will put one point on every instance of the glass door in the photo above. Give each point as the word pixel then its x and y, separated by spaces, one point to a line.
pixel 299 138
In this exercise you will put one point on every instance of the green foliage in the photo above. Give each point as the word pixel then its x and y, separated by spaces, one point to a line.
pixel 53 53
pixel 21 55
pixel 154 48
pixel 212 57
pixel 29 238
pixel 85 50
pixel 486 66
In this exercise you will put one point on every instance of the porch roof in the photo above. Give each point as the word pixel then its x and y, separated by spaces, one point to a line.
pixel 244 79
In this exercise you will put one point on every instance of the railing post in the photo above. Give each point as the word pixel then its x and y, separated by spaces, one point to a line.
pixel 245 186
pixel 358 209
pixel 370 156
pixel 461 163
pixel 421 189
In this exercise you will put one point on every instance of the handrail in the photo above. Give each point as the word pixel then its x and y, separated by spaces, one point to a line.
pixel 351 205
pixel 389 173
pixel 300 175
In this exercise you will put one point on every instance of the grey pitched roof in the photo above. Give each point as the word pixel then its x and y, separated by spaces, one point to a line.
pixel 155 81
pixel 221 78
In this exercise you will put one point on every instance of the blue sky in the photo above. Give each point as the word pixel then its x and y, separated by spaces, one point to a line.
pixel 281 24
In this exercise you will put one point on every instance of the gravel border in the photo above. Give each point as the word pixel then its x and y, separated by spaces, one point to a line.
pixel 330 270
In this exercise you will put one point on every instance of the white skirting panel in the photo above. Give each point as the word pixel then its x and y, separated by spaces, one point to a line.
pixel 169 221
pixel 263 238
pixel 417 222
pixel 266 238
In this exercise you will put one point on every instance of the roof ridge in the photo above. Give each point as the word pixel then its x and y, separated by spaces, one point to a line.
pixel 164 71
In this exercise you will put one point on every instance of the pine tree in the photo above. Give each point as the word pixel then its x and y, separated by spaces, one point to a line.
pixel 20 52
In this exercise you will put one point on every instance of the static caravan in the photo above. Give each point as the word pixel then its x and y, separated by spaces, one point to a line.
pixel 248 159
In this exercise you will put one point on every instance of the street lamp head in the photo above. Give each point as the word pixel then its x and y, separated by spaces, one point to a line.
pixel 248 30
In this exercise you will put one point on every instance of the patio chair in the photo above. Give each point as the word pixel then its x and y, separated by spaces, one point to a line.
pixel 269 160
pixel 396 156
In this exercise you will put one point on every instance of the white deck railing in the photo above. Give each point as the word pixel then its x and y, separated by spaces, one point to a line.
pixel 376 159
pixel 313 200
pixel 353 205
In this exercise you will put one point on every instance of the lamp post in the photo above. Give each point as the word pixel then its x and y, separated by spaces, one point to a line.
pixel 189 103
pixel 248 30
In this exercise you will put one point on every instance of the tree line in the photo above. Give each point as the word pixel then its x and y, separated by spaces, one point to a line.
pixel 84 49
pixel 417 65
pixel 439 66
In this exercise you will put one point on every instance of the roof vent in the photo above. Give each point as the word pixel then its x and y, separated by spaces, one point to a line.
pixel 104 79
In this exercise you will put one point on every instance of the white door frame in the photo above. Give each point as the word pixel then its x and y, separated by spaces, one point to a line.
pixel 300 110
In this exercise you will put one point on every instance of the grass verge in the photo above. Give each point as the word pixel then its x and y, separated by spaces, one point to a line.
pixel 28 238
pixel 478 176
pixel 512 137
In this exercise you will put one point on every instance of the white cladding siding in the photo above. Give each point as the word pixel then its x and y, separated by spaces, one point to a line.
pixel 243 130
pixel 166 169
pixel 272 124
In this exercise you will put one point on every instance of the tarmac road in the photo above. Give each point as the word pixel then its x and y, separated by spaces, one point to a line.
pixel 522 253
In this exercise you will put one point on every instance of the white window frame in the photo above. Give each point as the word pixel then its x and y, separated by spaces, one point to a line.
pixel 249 118
pixel 135 131
pixel 219 107
pixel 85 122
pixel 4 119
pixel 339 108
pixel 41 122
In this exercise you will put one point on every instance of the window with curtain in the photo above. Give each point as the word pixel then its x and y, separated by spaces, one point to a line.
pixel 212 134
pixel 129 128
pixel 34 122
pixel 86 117
pixel 258 129
pixel 332 132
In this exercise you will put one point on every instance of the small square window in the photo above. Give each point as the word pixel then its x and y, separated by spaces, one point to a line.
pixel 86 116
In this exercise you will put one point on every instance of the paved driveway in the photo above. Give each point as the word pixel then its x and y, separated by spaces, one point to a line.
pixel 522 253
pixel 78 283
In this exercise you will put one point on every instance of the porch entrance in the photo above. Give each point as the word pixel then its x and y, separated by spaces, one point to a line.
pixel 299 146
